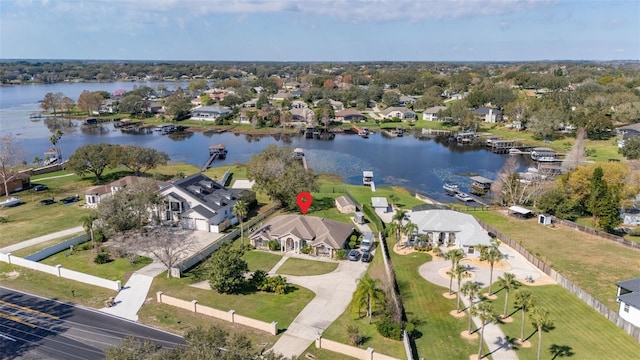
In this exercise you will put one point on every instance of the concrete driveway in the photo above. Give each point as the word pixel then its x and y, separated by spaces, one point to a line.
pixel 333 295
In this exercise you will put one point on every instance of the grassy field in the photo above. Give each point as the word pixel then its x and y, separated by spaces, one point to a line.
pixel 82 260
pixel 53 287
pixel 35 248
pixel 303 267
pixel 261 260
pixel 592 263
pixel 578 328
pixel 261 306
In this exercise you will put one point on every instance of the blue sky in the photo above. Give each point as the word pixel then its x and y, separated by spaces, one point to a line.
pixel 321 30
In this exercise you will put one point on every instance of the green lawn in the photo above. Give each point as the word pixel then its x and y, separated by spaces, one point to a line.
pixel 35 248
pixel 82 260
pixel 303 267
pixel 259 305
pixel 260 260
pixel 579 328
pixel 50 286
pixel 592 263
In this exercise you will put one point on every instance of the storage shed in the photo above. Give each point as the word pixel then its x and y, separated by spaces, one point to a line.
pixel 545 219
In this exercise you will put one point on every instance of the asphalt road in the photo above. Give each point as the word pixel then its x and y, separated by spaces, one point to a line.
pixel 37 328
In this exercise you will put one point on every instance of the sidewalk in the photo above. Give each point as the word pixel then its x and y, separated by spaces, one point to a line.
pixel 41 239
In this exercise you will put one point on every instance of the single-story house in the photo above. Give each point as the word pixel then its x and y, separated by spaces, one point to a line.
pixel 407 100
pixel 448 227
pixel 488 114
pixel 247 115
pixel 281 95
pixel 431 114
pixel 380 204
pixel 350 115
pixel 200 203
pixel 629 299
pixel 94 195
pixel 628 131
pixel 399 112
pixel 294 232
pixel 302 115
pixel 209 113
pixel 345 205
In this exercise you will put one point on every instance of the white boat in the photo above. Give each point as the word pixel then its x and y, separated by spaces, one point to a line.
pixel 463 197
pixel 12 201
pixel 450 188
pixel 514 151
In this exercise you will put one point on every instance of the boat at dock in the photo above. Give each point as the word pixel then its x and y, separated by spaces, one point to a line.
pixel 450 188
pixel 542 154
pixel 514 151
pixel 363 132
pixel 215 152
pixel 463 197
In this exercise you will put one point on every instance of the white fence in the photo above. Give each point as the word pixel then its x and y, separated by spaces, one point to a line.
pixel 354 352
pixel 54 249
pixel 59 271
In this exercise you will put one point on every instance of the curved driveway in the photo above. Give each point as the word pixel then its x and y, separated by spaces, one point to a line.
pixel 333 295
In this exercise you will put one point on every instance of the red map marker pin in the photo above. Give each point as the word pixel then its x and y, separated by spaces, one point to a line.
pixel 304 200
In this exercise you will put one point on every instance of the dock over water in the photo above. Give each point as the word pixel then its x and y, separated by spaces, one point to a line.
pixel 215 152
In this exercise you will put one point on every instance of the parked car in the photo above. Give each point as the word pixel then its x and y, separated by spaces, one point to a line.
pixel 354 255
pixel 367 242
pixel 366 257
pixel 40 188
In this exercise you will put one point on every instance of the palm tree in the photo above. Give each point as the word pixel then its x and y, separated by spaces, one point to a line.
pixel 368 293
pixel 483 311
pixel 240 211
pixel 507 282
pixel 524 300
pixel 470 289
pixel 36 160
pixel 492 255
pixel 460 272
pixel 409 229
pixel 398 217
pixel 87 223
pixel 54 139
pixel 455 255
pixel 540 319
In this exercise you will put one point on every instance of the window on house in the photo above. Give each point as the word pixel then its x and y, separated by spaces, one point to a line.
pixel 626 308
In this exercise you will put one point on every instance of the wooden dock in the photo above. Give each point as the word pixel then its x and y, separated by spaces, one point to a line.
pixel 298 153
pixel 215 152
pixel 364 132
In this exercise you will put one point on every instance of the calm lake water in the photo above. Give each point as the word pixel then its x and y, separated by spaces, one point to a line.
pixel 418 164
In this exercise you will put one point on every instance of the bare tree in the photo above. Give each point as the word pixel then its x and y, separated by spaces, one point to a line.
pixel 577 155
pixel 168 245
pixel 10 160
pixel 510 188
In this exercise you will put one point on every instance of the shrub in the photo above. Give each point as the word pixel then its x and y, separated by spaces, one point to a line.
pixel 341 254
pixel 354 335
pixel 275 284
pixel 258 278
pixel 306 249
pixel 4 220
pixel 389 329
pixel 273 245
pixel 85 246
pixel 102 258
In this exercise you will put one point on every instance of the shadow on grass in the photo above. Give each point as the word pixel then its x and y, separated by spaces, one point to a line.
pixel 561 351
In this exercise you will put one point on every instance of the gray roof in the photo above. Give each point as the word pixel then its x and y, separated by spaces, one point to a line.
pixel 212 109
pixel 402 109
pixel 434 109
pixel 314 230
pixel 202 211
pixel 485 110
pixel 207 191
pixel 481 180
pixel 379 202
pixel 344 201
pixel 467 229
pixel 631 285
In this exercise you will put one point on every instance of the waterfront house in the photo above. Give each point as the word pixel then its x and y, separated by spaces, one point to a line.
pixel 247 116
pixel 295 232
pixel 447 227
pixel 431 114
pixel 399 112
pixel 345 205
pixel 302 115
pixel 349 115
pixel 488 114
pixel 209 113
pixel 94 195
pixel 380 204
pixel 199 203
pixel 629 298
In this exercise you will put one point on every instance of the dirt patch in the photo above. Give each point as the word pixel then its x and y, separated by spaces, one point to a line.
pixel 11 275
pixel 468 336
pixel 544 279
pixel 456 314
pixel 449 296
pixel 523 344
pixel 403 250
pixel 506 320
pixel 490 296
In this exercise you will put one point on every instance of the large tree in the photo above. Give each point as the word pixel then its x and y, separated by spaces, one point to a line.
pixel 89 101
pixel 227 270
pixel 368 294
pixel 139 159
pixel 603 203
pixel 52 101
pixel 128 208
pixel 133 103
pixel 578 154
pixel 92 158
pixel 10 159
pixel 631 148
pixel 278 174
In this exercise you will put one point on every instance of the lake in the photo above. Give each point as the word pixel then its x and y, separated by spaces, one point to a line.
pixel 418 164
